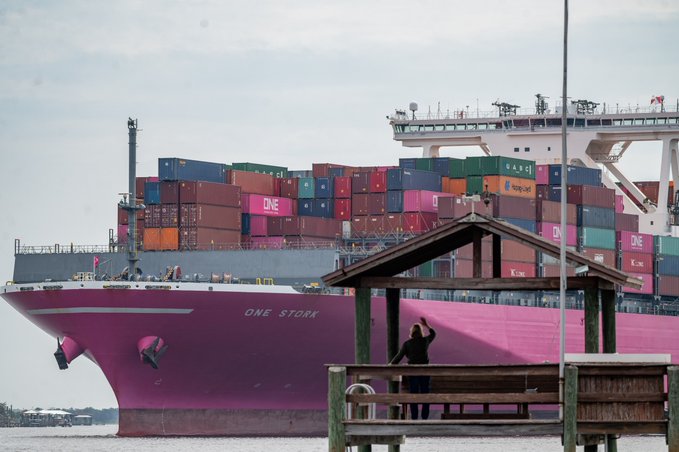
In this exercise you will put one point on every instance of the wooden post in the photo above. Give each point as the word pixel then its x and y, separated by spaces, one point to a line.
pixel 609 342
pixel 591 321
pixel 477 264
pixel 497 256
pixel 570 408
pixel 393 320
pixel 673 405
pixel 362 327
pixel 337 383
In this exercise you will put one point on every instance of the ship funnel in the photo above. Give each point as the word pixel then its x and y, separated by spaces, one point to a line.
pixel 151 349
pixel 67 351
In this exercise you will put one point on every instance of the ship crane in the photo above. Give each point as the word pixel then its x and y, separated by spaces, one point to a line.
pixel 585 107
pixel 506 109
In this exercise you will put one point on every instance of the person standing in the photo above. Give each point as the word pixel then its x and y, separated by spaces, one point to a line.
pixel 416 350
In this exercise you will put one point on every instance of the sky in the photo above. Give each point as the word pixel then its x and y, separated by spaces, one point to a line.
pixel 280 82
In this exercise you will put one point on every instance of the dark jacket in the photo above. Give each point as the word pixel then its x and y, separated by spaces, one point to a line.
pixel 415 349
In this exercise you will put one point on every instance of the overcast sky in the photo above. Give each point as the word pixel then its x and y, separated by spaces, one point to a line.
pixel 280 82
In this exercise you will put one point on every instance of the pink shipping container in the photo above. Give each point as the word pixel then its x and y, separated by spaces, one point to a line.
pixel 418 222
pixel 377 203
pixel 552 231
pixel 626 222
pixel 342 209
pixel 619 203
pixel 542 174
pixel 122 233
pixel 169 215
pixel 633 262
pixel 197 192
pixel 554 271
pixel 457 206
pixel 378 181
pixel 289 187
pixel 249 182
pixel 266 205
pixel 422 200
pixel 635 241
pixel 588 195
pixel 343 187
pixel 668 285
pixel 550 212
pixel 359 204
pixel 464 268
pixel 606 257
pixel 360 182
pixel 269 243
pixel 647 288
pixel 209 216
pixel 169 192
pixel 511 269
pixel 192 238
pixel 259 225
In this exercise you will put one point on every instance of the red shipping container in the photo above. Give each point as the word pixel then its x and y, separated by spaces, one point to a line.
pixel 603 256
pixel 342 187
pixel 552 231
pixel 554 271
pixel 633 262
pixel 378 182
pixel 169 192
pixel 276 186
pixel 311 226
pixel 467 251
pixel 668 285
pixel 169 216
pixel 647 288
pixel 652 188
pixel 198 192
pixel 140 182
pixel 289 187
pixel 321 169
pixel 249 182
pixel 511 269
pixel 152 215
pixel 619 203
pixel 264 243
pixel 635 241
pixel 458 206
pixel 588 195
pixel 123 217
pixel 193 238
pixel 259 225
pixel 550 212
pixel 464 268
pixel 393 223
pixel 518 251
pixel 359 204
pixel 626 222
pixel 274 225
pixel 422 200
pixel 359 225
pixel 342 209
pixel 210 217
pixel 418 222
pixel 360 182
pixel 513 207
pixel 272 206
pixel 377 203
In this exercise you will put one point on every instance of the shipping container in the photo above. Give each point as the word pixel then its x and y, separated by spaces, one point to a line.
pixel 575 175
pixel 360 182
pixel 426 270
pixel 548 192
pixel 554 271
pixel 260 184
pixel 647 287
pixel 377 203
pixel 169 215
pixel 550 212
pixel 342 187
pixel 422 200
pixel 542 174
pixel 456 169
pixel 300 173
pixel 650 189
pixel 289 187
pixel 500 166
pixel 408 179
pixel 169 239
pixel 509 186
pixel 323 187
pixel 456 186
pixel 467 251
pixel 668 265
pixel 169 192
pixel 394 201
pixel 666 245
pixel 140 185
pixel 547 259
pixel 441 165
pixel 633 241
pixel 393 223
pixel 668 285
pixel 596 217
pixel 210 216
pixel 258 225
pixel 552 231
pixel 123 215
pixel 528 225
pixel 274 225
pixel 514 207
pixel 474 185
pixel 152 215
pixel 626 222
pixel 459 206
pixel 152 239
pixel 511 269
pixel 588 195
pixel 464 268
pixel 323 208
pixel 203 239
pixel 597 238
pixel 151 193
pixel 359 204
pixel 305 207
pixel 367 225
pixel 323 169
pixel 266 205
pixel 311 226
pixel 338 172
pixel 378 182
pixel 272 170
pixel 517 251
pixel 424 164
pixel 418 222
pixel 342 209
pixel 196 192
pixel 633 262
pixel 619 203
pixel 407 163
pixel 174 169
pixel 602 256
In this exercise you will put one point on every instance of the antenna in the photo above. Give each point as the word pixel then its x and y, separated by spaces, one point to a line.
pixel 413 108
pixel 540 104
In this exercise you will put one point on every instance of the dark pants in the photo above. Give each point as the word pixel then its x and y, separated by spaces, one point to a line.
pixel 419 385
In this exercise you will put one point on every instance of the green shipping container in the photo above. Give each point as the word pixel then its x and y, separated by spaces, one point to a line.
pixel 306 188
pixel 425 164
pixel 475 184
pixel 499 166
pixel 276 171
pixel 426 270
pixel 597 238
pixel 666 245
pixel 456 169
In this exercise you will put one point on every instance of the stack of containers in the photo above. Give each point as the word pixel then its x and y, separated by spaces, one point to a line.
pixel 596 221
pixel 342 191
pixel 667 249
pixel 294 231
pixel 624 221
pixel 549 227
pixel 257 213
pixel 123 215
pixel 400 180
pixel 636 257
pixel 272 170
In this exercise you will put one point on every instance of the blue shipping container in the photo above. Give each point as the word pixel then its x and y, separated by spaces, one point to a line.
pixel 335 172
pixel 576 175
pixel 668 265
pixel 394 201
pixel 323 208
pixel 305 207
pixel 183 169
pixel 245 224
pixel 151 193
pixel 300 173
pixel 411 179
pixel 596 217
pixel 528 225
pixel 407 163
pixel 323 187
pixel 442 166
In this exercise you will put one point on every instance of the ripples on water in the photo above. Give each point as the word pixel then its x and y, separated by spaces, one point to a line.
pixel 102 438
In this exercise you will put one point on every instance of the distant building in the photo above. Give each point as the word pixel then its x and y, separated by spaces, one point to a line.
pixel 46 418
pixel 82 419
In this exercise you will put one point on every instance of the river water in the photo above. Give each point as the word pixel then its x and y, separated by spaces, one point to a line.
pixel 103 438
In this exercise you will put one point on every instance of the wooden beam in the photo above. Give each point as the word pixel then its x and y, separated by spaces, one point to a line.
pixel 570 409
pixel 673 406
pixel 362 327
pixel 337 382
pixel 608 320
pixel 477 256
pixel 497 256
pixel 591 321
pixel 495 398
pixel 531 427
pixel 394 282
pixel 393 323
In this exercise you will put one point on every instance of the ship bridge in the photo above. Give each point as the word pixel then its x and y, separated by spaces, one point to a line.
pixel 594 140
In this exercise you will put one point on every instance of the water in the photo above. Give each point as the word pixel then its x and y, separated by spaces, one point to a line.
pixel 102 438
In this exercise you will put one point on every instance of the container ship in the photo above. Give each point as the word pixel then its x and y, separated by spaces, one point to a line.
pixel 206 311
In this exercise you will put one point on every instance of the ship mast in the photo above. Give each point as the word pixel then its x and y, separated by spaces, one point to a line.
pixel 131 206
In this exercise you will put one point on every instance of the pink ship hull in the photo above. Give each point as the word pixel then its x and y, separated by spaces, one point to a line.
pixel 252 363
